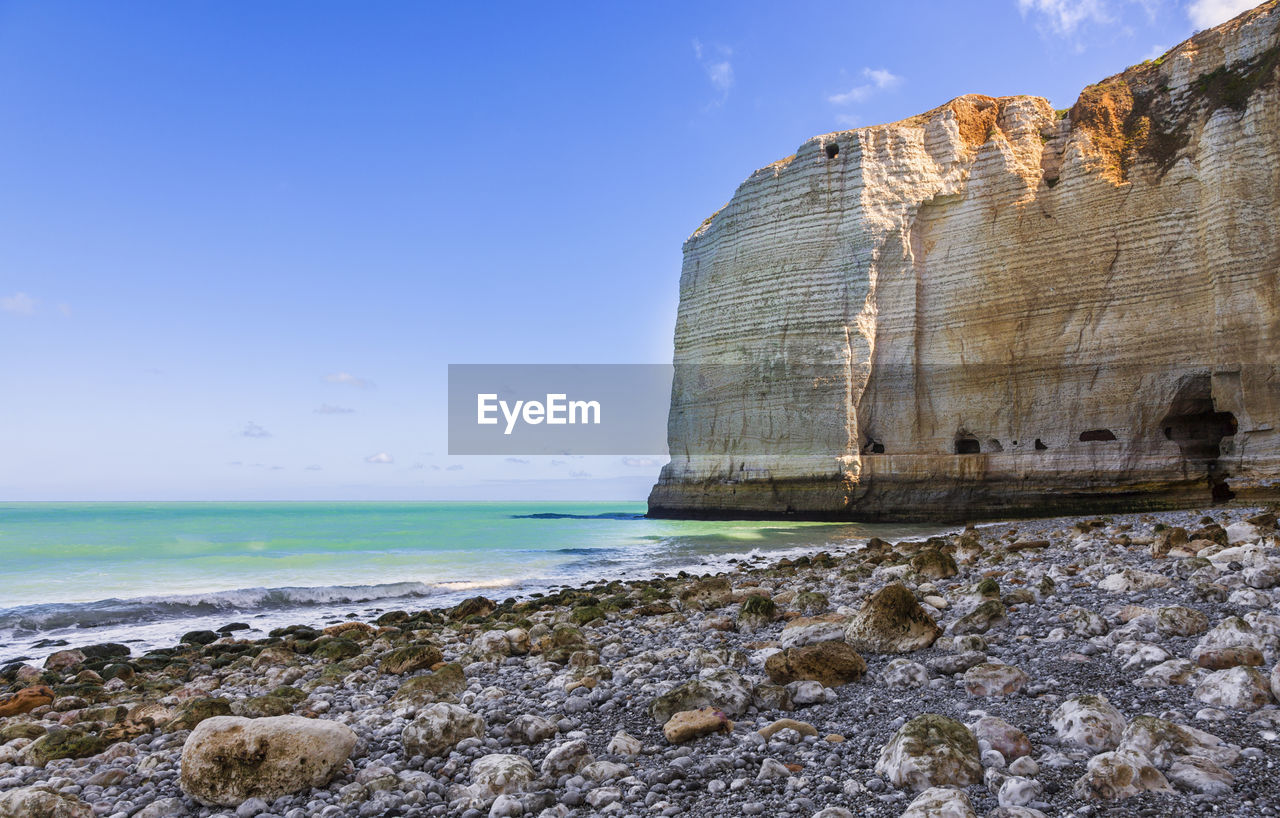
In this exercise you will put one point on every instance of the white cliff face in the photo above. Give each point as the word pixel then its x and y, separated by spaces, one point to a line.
pixel 993 308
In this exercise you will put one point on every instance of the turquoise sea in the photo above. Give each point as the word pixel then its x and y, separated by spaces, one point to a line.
pixel 143 573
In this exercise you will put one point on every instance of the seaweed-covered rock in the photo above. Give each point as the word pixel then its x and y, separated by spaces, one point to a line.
pixel 194 711
pixel 445 682
pixel 891 621
pixel 562 642
pixel 757 611
pixel 336 649
pixel 410 658
pixel 931 751
pixel 63 742
pixel 475 606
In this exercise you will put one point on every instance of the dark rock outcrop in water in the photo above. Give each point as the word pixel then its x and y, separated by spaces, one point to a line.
pixel 995 308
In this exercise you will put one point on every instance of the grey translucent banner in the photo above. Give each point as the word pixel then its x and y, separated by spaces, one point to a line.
pixel 559 409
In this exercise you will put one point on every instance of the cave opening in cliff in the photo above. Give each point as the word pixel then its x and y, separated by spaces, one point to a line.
pixel 1198 427
pixel 1040 447
pixel 832 149
pixel 967 444
pixel 1098 435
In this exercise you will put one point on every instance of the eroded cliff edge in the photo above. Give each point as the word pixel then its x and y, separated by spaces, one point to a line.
pixel 996 309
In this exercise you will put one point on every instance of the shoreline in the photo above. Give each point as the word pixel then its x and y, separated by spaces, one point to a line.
pixel 150 621
pixel 568 691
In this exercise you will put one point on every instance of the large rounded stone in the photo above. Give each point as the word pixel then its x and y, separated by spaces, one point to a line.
pixel 39 802
pixel 1121 774
pixel 940 802
pixel 435 730
pixel 500 774
pixel 931 751
pixel 1239 688
pixel 832 663
pixel 891 621
pixel 995 680
pixel 227 759
pixel 1165 743
pixel 1090 722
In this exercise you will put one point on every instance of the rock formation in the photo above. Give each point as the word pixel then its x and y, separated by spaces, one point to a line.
pixel 996 308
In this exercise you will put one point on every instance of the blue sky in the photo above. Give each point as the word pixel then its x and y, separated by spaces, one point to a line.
pixel 240 242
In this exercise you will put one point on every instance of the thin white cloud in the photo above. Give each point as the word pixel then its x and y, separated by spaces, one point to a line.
pixel 252 429
pixel 327 409
pixel 716 64
pixel 454 467
pixel 18 303
pixel 1064 17
pixel 639 462
pixel 314 468
pixel 876 80
pixel 1156 51
pixel 65 309
pixel 1209 13
pixel 349 379
pixel 518 460
pixel 380 457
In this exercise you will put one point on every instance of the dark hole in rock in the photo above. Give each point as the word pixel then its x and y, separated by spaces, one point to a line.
pixel 994 445
pixel 1194 423
pixel 1220 490
pixel 1040 447
pixel 967 445
pixel 1102 435
pixel 832 149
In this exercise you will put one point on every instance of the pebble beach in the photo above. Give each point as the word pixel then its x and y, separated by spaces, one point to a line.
pixel 1123 665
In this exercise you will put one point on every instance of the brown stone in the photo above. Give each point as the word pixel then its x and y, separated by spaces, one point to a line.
pixel 832 663
pixel 26 700
pixel 1235 656
pixel 688 725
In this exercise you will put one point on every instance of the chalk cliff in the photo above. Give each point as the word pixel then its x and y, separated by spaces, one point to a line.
pixel 994 308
